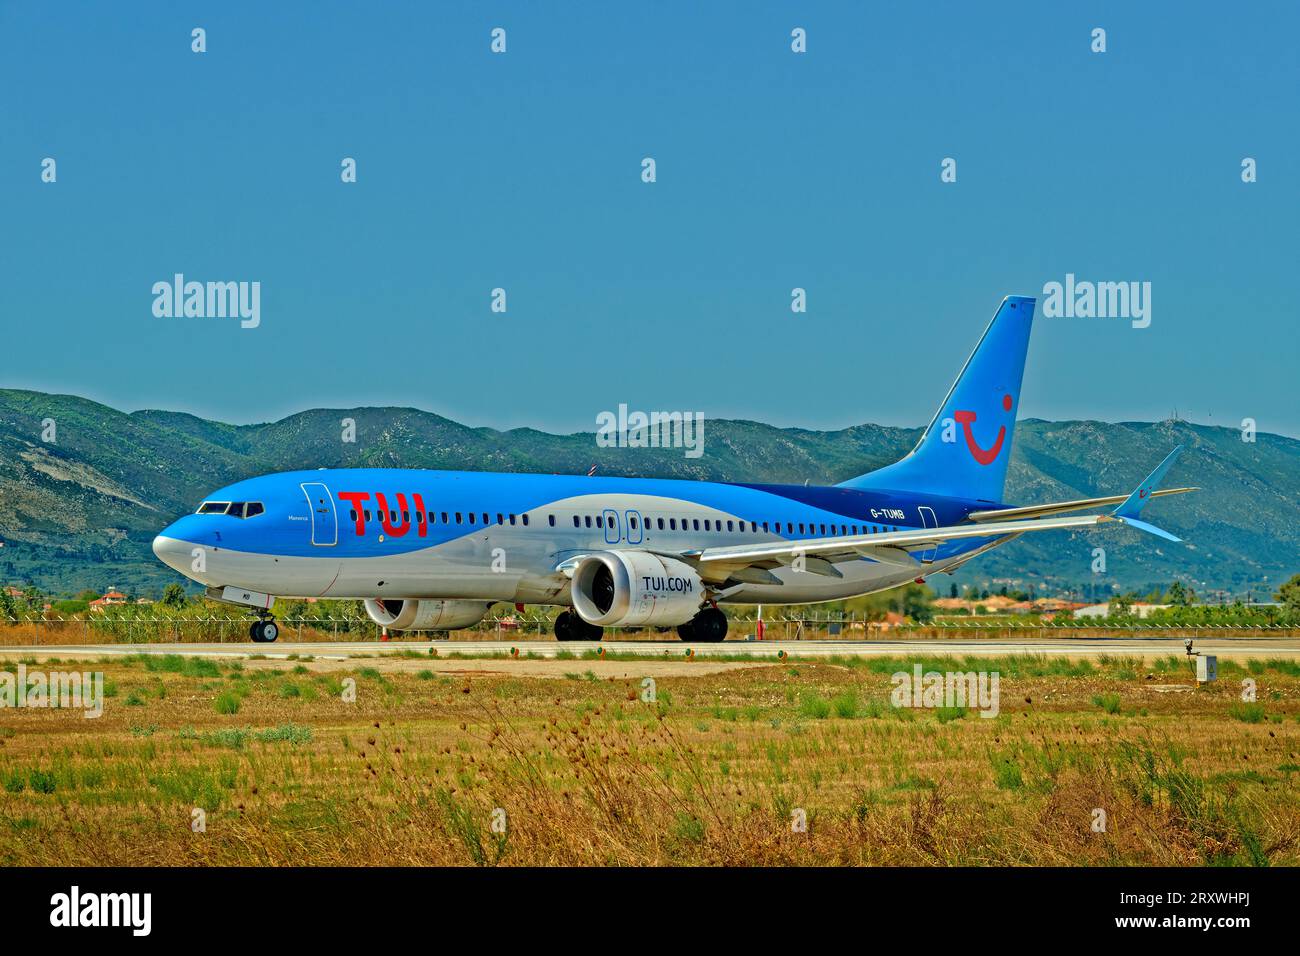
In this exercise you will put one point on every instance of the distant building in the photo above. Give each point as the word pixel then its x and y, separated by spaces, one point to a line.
pixel 1056 604
pixel 1103 610
pixel 997 604
pixel 113 596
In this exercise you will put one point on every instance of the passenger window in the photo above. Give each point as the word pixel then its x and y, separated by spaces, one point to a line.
pixel 696 523
pixel 730 525
pixel 672 524
pixel 587 519
pixel 551 519
pixel 458 517
pixel 512 518
pixel 576 522
pixel 352 515
pixel 525 520
pixel 600 521
pixel 500 518
pixel 661 524
pixel 633 522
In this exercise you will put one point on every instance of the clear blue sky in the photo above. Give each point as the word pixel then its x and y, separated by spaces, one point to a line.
pixel 775 170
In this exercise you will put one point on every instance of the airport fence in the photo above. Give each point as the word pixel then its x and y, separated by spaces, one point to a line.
pixel 161 629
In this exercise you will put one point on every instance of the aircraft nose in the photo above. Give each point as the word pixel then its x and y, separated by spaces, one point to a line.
pixel 172 551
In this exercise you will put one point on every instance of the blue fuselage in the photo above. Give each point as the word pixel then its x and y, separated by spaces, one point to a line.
pixel 363 533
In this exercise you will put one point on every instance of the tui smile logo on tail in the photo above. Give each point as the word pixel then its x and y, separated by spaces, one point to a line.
pixel 985 456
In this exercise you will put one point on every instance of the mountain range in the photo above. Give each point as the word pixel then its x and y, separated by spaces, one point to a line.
pixel 84 488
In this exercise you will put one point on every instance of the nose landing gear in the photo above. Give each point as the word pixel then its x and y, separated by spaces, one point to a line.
pixel 264 630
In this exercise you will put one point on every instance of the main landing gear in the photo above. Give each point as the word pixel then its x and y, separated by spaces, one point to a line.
pixel 264 630
pixel 570 627
pixel 710 625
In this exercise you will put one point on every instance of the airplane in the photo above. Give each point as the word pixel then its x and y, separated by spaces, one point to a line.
pixel 434 550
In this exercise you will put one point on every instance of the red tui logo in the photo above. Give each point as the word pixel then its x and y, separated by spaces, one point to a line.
pixel 985 456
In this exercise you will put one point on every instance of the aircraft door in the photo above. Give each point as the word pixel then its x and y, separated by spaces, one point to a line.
pixel 611 526
pixel 928 520
pixel 632 526
pixel 324 518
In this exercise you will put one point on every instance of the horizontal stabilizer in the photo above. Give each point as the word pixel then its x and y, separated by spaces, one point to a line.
pixel 1149 528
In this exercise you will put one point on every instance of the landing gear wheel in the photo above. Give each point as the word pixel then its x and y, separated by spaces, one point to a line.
pixel 564 629
pixel 571 627
pixel 686 631
pixel 264 631
pixel 710 625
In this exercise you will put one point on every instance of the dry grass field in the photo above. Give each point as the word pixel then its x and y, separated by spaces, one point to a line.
pixel 577 768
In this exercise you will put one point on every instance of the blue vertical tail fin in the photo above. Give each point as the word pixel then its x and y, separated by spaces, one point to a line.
pixel 965 448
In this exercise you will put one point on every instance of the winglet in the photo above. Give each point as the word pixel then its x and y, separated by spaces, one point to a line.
pixel 1128 512
pixel 1135 502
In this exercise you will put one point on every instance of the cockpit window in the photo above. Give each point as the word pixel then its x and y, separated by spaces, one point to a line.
pixel 236 509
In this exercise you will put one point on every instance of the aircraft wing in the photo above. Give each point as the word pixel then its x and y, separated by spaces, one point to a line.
pixel 1060 507
pixel 889 547
pixel 753 562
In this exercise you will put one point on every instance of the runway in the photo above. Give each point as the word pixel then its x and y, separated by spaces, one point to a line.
pixel 1240 648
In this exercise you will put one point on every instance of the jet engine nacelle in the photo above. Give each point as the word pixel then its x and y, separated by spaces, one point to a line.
pixel 629 588
pixel 426 614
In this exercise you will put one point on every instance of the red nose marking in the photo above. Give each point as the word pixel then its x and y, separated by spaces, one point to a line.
pixel 983 456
